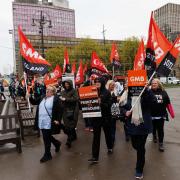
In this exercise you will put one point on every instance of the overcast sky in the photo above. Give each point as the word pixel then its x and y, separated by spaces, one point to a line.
pixel 122 19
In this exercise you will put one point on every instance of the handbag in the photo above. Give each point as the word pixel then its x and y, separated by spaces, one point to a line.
pixel 55 128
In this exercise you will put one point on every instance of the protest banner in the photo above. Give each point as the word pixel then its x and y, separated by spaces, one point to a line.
pixel 89 102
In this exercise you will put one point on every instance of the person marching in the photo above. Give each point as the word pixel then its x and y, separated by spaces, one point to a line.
pixel 69 99
pixel 139 128
pixel 102 122
pixel 158 111
pixel 48 119
pixel 115 111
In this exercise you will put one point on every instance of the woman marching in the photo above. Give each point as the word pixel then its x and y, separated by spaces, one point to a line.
pixel 115 111
pixel 139 125
pixel 48 119
pixel 102 122
pixel 158 111
pixel 69 99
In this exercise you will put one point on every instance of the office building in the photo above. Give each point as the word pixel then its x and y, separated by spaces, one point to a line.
pixel 168 19
pixel 24 11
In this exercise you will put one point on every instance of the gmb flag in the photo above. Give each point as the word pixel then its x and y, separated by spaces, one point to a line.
pixel 157 47
pixel 33 62
pixel 169 60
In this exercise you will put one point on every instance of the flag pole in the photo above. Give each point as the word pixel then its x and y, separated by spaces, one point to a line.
pixel 25 78
pixel 142 91
pixel 113 67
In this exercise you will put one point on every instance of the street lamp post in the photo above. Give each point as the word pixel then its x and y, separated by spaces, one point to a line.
pixel 11 31
pixel 41 22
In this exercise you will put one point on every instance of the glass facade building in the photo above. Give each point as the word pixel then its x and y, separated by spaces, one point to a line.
pixel 62 19
pixel 168 19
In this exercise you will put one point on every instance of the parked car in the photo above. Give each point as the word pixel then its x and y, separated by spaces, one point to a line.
pixel 169 80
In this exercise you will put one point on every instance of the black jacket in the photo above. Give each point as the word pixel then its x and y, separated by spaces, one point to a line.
pixel 105 100
pixel 158 109
pixel 57 110
pixel 145 127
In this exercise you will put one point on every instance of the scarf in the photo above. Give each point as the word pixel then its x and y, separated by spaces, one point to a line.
pixel 137 118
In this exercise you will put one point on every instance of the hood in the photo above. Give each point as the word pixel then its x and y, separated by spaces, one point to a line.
pixel 69 82
pixel 102 81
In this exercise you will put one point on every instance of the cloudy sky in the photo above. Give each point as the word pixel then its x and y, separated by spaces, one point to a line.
pixel 122 19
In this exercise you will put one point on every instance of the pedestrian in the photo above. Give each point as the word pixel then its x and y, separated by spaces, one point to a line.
pixel 2 91
pixel 39 90
pixel 102 122
pixel 115 111
pixel 158 112
pixel 21 91
pixel 122 101
pixel 139 125
pixel 48 119
pixel 69 99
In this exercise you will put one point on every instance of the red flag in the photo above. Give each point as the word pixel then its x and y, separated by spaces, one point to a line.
pixel 140 57
pixel 97 63
pixel 66 67
pixel 73 71
pixel 166 65
pixel 176 46
pixel 157 43
pixel 46 77
pixel 114 57
pixel 85 69
pixel 57 73
pixel 80 76
pixel 33 61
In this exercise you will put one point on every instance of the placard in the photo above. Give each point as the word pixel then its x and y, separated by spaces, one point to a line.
pixel 89 102
pixel 136 81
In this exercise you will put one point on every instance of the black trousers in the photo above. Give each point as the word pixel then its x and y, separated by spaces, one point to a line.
pixel 138 143
pixel 71 135
pixel 48 139
pixel 98 123
pixel 113 129
pixel 158 126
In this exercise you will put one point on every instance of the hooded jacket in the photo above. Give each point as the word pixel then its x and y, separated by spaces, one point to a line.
pixel 70 105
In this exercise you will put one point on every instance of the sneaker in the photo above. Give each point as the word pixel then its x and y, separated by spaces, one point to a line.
pixel 161 147
pixel 139 175
pixel 45 158
pixel 110 151
pixel 93 160
pixel 57 149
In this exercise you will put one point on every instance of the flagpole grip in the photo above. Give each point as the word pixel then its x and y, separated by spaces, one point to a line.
pixel 142 91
